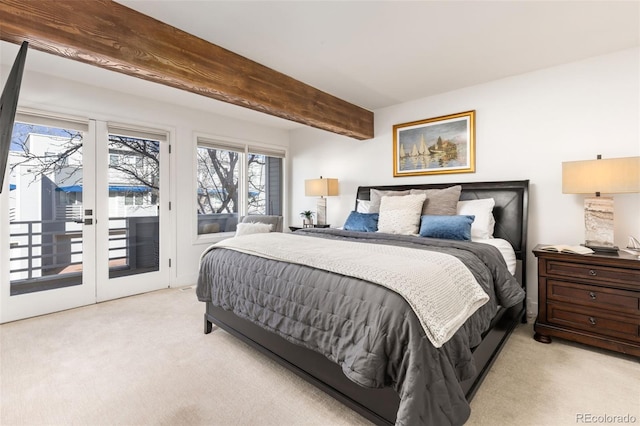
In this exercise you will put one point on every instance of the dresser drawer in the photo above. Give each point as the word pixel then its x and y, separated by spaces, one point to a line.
pixel 593 273
pixel 593 320
pixel 597 297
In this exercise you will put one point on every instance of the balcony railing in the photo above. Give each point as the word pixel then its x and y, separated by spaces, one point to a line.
pixel 68 212
pixel 49 254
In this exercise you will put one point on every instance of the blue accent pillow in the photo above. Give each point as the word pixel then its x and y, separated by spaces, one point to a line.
pixel 363 222
pixel 447 227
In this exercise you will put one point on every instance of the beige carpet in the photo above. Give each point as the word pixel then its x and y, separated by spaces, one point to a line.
pixel 144 360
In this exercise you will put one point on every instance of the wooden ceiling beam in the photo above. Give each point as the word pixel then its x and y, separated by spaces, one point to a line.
pixel 111 36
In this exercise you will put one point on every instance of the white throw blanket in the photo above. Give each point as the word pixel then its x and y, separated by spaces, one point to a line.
pixel 440 288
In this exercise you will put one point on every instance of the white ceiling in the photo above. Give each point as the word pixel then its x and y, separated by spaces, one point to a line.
pixel 377 54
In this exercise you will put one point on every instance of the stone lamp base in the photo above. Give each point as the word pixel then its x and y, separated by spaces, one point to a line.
pixel 598 223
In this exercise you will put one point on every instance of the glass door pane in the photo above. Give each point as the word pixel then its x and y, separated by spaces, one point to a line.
pixel 45 208
pixel 134 205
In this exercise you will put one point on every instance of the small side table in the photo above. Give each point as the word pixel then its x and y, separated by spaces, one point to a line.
pixel 592 299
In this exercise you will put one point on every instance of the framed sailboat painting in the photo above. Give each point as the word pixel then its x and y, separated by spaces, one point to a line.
pixel 437 145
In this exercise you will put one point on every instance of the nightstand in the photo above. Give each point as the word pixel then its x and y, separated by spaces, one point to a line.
pixel 592 299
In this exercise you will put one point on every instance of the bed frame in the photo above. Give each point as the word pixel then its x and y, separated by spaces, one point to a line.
pixel 381 405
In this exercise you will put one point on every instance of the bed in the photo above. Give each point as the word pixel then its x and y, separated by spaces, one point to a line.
pixel 384 384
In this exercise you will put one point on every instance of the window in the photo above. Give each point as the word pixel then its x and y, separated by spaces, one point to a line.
pixel 134 199
pixel 235 180
pixel 265 185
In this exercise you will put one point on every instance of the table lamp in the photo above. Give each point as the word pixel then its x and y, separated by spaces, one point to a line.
pixel 608 176
pixel 323 187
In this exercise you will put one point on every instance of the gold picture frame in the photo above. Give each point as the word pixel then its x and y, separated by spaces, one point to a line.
pixel 439 145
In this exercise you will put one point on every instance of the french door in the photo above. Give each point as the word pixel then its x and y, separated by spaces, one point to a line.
pixel 83 214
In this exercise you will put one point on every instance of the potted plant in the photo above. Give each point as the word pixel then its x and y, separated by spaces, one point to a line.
pixel 307 218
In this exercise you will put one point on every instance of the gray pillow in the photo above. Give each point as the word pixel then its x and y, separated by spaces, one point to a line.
pixel 440 201
pixel 376 195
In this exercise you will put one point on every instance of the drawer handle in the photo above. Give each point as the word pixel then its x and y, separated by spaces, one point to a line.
pixel 592 321
pixel 592 295
pixel 592 272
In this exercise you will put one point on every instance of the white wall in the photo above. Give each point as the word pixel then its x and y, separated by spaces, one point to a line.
pixel 526 126
pixel 46 93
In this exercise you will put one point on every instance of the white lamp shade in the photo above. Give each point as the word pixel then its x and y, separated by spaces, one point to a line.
pixel 608 176
pixel 322 187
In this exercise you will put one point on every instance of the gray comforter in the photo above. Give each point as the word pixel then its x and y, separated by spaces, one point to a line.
pixel 370 331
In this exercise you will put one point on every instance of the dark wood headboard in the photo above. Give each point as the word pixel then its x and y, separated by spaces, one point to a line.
pixel 510 211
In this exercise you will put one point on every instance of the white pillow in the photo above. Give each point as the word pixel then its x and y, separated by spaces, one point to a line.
pixel 253 228
pixel 363 206
pixel 400 214
pixel 483 224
